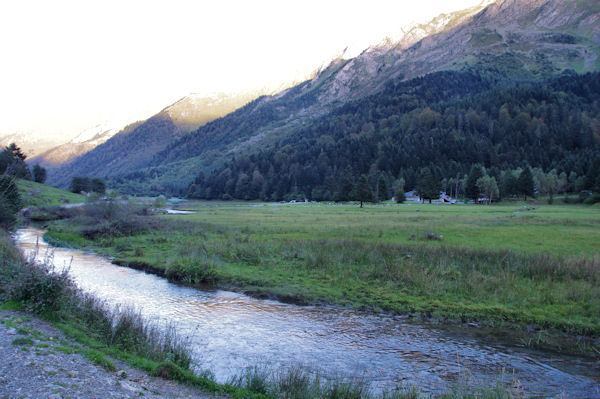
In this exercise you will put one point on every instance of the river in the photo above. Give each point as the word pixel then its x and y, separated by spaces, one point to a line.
pixel 230 331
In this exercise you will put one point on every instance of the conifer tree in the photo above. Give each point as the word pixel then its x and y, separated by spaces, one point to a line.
pixel 362 191
pixel 39 174
pixel 428 185
pixel 382 190
pixel 12 162
pixel 345 186
pixel 471 188
pixel 525 183
pixel 10 201
pixel 399 195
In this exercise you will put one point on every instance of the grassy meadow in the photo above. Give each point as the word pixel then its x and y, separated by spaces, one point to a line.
pixel 516 264
pixel 37 195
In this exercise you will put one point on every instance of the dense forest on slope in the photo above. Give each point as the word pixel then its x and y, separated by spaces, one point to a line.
pixel 242 124
pixel 130 149
pixel 446 121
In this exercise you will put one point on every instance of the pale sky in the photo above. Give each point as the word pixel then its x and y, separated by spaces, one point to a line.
pixel 66 66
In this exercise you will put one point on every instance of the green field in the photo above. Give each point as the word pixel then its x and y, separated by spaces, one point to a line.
pixel 37 195
pixel 497 265
pixel 558 230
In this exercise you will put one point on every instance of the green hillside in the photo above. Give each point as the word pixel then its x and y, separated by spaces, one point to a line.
pixel 36 195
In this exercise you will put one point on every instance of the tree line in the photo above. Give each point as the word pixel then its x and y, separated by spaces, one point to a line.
pixel 435 128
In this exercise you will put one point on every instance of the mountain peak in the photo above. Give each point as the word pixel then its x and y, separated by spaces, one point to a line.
pixel 194 110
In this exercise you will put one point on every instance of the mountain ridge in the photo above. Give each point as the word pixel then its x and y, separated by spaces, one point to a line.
pixel 104 151
pixel 509 40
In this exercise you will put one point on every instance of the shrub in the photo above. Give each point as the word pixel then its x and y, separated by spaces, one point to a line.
pixel 38 286
pixel 592 199
pixel 192 270
pixel 53 213
pixel 117 220
pixel 168 371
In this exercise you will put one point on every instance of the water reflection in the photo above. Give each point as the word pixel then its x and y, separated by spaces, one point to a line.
pixel 230 331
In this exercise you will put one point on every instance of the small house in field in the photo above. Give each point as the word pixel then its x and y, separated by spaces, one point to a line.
pixel 412 196
pixel 446 199
pixel 483 200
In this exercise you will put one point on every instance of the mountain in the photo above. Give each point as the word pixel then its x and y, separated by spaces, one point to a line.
pixel 195 110
pixel 30 145
pixel 105 152
pixel 503 44
pixel 445 122
pixel 84 142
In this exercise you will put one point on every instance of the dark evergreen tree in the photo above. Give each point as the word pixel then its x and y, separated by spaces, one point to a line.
pixel 525 183
pixel 242 187
pixel 345 186
pixel 509 185
pixel 10 201
pixel 399 195
pixel 428 185
pixel 592 177
pixel 39 174
pixel 382 190
pixel 471 189
pixel 362 192
pixel 80 184
pixel 12 162
pixel 97 185
pixel 257 185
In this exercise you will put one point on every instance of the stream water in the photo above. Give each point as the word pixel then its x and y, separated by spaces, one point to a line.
pixel 231 331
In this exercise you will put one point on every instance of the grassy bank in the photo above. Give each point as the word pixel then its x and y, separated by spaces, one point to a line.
pixel 514 265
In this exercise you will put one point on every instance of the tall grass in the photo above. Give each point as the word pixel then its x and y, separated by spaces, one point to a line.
pixel 299 383
pixel 542 289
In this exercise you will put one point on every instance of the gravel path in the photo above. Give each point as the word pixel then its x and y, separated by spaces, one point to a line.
pixel 36 362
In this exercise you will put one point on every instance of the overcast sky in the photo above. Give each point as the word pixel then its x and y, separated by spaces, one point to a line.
pixel 68 65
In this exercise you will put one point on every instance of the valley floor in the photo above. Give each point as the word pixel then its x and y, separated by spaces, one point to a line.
pixel 515 265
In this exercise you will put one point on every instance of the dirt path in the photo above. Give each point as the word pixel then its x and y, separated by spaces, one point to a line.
pixel 37 361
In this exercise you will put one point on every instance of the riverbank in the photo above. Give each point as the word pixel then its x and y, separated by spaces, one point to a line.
pixel 112 338
pixel 307 342
pixel 39 360
pixel 106 336
pixel 479 266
